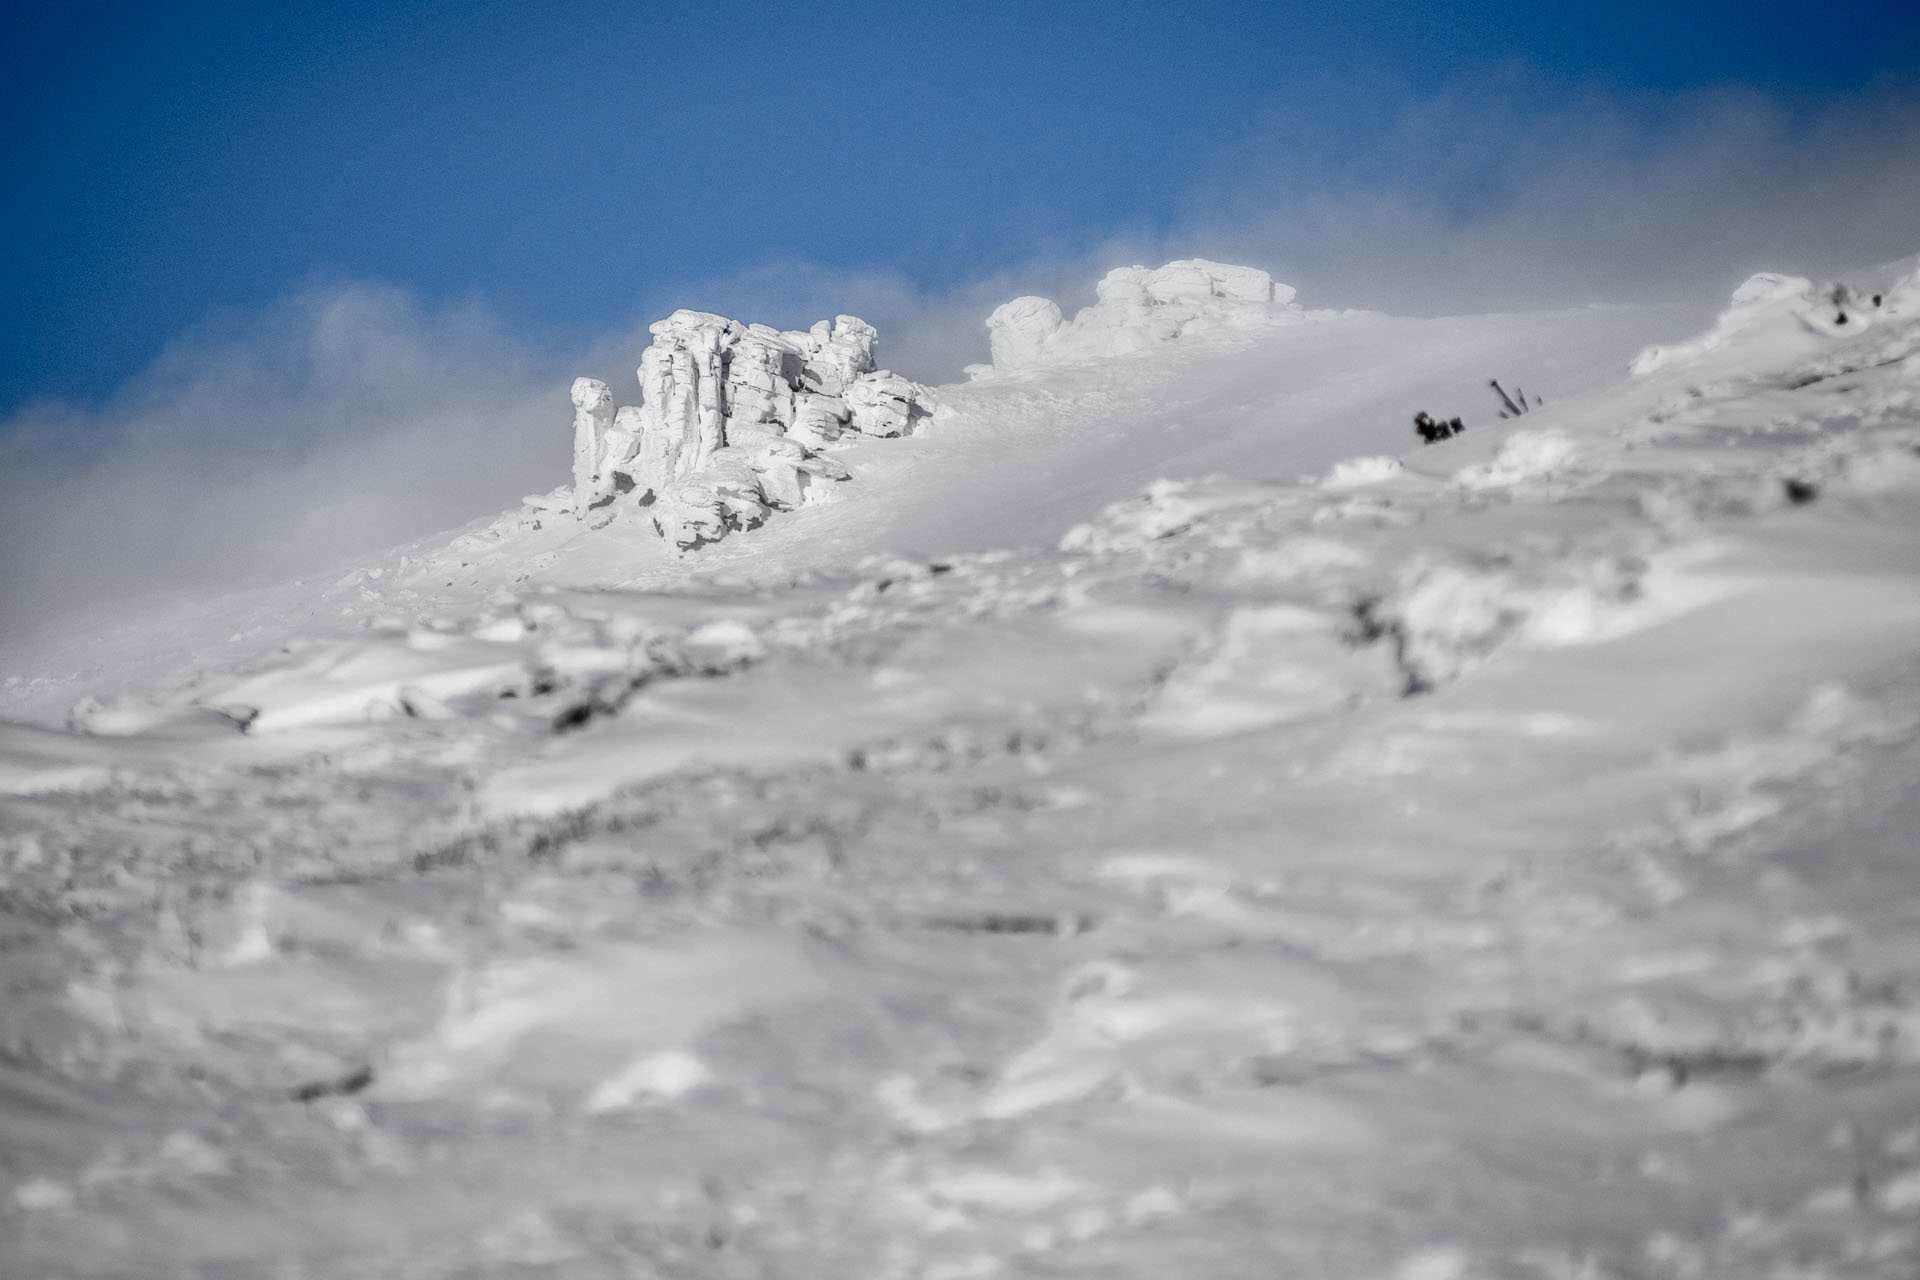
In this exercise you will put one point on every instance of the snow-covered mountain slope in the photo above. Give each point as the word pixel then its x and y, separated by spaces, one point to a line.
pixel 1159 820
pixel 1013 461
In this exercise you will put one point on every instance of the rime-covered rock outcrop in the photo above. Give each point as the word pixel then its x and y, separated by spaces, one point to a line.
pixel 592 421
pixel 730 420
pixel 1798 311
pixel 1137 308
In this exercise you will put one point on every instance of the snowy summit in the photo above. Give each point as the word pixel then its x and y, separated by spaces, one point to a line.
pixel 1176 811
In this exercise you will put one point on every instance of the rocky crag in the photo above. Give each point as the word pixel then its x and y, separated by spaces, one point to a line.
pixel 733 418
pixel 731 423
pixel 1137 308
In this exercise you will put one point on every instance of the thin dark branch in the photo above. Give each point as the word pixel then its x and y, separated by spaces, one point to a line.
pixel 1512 408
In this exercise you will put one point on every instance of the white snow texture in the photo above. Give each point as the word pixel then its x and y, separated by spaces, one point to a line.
pixel 1165 822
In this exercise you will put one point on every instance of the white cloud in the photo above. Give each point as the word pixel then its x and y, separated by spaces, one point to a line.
pixel 1508 191
pixel 344 418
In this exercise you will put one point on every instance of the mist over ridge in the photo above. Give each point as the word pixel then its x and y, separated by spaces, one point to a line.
pixel 352 414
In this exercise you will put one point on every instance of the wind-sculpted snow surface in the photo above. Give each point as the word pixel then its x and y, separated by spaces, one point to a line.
pixel 730 422
pixel 1494 860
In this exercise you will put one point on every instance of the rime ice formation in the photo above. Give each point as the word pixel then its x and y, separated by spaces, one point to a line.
pixel 1017 331
pixel 838 355
pixel 1137 308
pixel 732 417
pixel 883 404
pixel 729 419
pixel 592 420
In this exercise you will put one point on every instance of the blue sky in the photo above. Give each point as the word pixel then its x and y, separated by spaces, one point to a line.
pixel 573 163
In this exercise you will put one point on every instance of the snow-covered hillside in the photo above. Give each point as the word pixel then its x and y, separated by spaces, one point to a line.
pixel 1156 818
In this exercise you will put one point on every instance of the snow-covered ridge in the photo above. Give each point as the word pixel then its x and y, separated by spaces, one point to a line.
pixel 730 421
pixel 1137 309
pixel 1480 857
pixel 733 418
pixel 1779 314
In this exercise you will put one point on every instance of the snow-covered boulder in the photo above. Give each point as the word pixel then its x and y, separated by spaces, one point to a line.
pixel 729 419
pixel 1017 331
pixel 886 404
pixel 1137 308
pixel 786 467
pixel 689 514
pixel 818 419
pixel 1199 283
pixel 838 354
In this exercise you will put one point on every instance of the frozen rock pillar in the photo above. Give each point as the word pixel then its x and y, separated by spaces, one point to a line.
pixel 682 397
pixel 592 419
pixel 758 389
